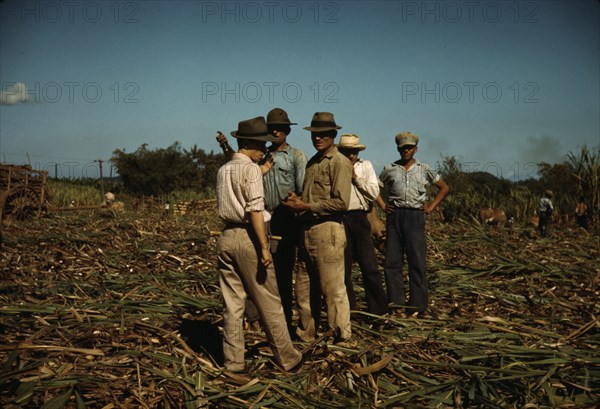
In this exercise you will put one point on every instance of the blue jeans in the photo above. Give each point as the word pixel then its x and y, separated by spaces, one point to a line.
pixel 406 235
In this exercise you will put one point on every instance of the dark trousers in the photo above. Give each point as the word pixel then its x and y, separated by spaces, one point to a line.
pixel 360 248
pixel 285 225
pixel 406 235
pixel 544 224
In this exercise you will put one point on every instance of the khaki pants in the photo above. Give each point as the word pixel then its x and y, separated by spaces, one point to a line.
pixel 323 255
pixel 240 276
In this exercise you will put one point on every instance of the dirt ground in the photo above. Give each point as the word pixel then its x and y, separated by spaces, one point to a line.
pixel 122 310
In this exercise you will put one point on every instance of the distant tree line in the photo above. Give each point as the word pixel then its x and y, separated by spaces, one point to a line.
pixel 576 177
pixel 161 171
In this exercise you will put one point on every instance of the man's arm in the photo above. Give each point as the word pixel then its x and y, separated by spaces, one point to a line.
pixel 300 169
pixel 227 149
pixel 366 182
pixel 443 190
pixel 257 221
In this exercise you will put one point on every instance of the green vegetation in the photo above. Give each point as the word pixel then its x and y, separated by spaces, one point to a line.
pixel 577 176
pixel 162 171
pixel 177 175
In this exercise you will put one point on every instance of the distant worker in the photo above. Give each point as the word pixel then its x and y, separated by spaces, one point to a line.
pixel 581 213
pixel 545 210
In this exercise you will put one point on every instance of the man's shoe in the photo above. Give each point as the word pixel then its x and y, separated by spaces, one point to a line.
pixel 298 367
pixel 350 343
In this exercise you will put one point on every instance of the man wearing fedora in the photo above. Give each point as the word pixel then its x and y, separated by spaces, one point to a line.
pixel 360 246
pixel 284 173
pixel 244 256
pixel 407 180
pixel 325 198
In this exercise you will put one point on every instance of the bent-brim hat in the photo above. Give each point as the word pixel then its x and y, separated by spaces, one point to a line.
pixel 253 129
pixel 406 138
pixel 350 141
pixel 278 116
pixel 321 122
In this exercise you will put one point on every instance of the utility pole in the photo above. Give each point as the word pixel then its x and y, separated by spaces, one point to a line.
pixel 102 198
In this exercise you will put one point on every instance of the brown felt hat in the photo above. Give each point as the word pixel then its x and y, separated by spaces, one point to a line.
pixel 321 122
pixel 278 116
pixel 253 129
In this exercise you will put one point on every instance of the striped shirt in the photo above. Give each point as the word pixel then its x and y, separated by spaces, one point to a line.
pixel 240 190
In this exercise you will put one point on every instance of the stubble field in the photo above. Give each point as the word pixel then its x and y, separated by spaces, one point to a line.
pixel 107 310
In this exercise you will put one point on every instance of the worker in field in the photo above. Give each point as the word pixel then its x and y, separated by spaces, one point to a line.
pixel 283 172
pixel 407 180
pixel 359 243
pixel 244 258
pixel 545 210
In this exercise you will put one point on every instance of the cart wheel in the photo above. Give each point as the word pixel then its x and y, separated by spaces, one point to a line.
pixel 21 204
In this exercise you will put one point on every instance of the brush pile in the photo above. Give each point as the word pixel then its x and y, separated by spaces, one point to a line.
pixel 105 310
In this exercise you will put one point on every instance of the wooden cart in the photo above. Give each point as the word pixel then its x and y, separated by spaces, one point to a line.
pixel 23 192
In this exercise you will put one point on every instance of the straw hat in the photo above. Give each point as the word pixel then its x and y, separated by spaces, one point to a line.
pixel 350 141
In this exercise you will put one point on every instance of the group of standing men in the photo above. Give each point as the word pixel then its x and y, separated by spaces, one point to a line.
pixel 319 206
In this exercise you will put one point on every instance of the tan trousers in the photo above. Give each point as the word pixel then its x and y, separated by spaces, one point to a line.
pixel 241 276
pixel 323 255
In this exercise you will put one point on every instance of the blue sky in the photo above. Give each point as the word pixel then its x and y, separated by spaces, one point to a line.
pixel 502 85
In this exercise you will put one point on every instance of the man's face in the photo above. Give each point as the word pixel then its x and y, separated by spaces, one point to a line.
pixel 407 151
pixel 322 141
pixel 351 154
pixel 280 133
pixel 256 150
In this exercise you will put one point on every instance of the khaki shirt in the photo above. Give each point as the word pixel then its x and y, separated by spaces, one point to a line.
pixel 327 184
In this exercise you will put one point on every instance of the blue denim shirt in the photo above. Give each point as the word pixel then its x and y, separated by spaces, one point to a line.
pixel 407 188
pixel 286 175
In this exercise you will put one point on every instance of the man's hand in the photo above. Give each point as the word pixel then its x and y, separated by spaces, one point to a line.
pixel 266 163
pixel 294 202
pixel 222 140
pixel 266 258
pixel 390 208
